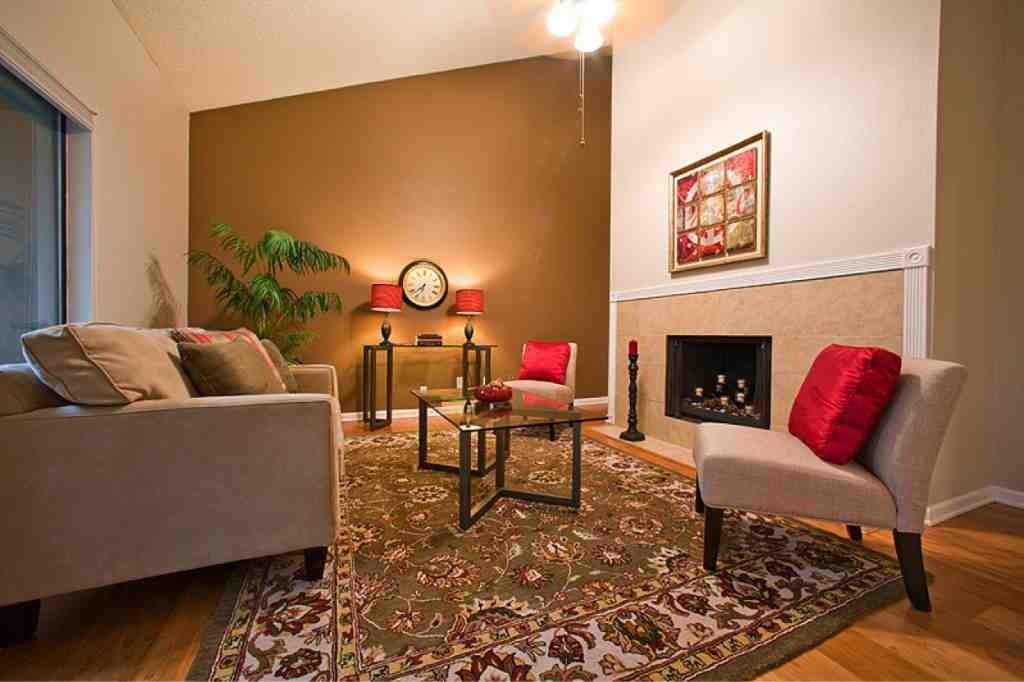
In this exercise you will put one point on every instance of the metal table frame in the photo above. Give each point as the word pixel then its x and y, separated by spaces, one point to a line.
pixel 482 354
pixel 469 514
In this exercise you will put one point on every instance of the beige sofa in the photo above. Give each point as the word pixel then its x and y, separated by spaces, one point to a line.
pixel 91 496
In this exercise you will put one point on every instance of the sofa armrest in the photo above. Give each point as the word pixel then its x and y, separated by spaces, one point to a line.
pixel 316 379
pixel 91 496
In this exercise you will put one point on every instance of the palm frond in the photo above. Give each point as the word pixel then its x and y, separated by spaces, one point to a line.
pixel 292 343
pixel 281 249
pixel 233 242
pixel 313 303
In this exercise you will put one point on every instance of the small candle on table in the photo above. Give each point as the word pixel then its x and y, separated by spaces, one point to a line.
pixel 632 347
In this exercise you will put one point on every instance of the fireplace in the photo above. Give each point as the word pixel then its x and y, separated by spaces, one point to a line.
pixel 719 379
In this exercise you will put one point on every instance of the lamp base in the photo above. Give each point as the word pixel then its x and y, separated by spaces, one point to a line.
pixel 385 332
pixel 469 332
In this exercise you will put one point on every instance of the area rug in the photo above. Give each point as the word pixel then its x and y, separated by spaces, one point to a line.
pixel 613 591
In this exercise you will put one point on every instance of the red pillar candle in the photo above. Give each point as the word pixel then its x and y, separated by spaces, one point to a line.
pixel 632 347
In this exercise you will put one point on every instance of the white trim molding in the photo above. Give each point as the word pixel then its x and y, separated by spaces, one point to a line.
pixel 904 259
pixel 24 66
pixel 915 262
pixel 955 506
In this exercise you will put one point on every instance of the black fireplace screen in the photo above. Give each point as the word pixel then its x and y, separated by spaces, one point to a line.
pixel 719 378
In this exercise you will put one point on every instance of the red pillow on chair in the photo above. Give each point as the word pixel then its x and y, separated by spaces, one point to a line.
pixel 545 361
pixel 842 399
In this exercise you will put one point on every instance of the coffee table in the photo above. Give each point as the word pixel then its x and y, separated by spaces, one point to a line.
pixel 524 410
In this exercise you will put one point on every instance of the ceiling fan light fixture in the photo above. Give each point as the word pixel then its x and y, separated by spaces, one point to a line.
pixel 562 19
pixel 599 12
pixel 589 37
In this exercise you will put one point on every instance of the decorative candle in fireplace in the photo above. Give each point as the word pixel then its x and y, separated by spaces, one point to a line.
pixel 699 392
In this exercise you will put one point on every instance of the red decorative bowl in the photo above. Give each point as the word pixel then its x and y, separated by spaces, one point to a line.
pixel 493 394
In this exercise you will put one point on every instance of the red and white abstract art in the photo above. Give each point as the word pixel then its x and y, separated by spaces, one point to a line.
pixel 719 209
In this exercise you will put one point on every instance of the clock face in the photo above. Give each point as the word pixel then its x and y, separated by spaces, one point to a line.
pixel 424 284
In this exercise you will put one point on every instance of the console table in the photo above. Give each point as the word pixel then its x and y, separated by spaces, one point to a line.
pixel 481 352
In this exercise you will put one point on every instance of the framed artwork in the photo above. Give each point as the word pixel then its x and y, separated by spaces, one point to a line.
pixel 718 207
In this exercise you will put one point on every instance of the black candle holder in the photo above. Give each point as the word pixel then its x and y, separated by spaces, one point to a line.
pixel 632 433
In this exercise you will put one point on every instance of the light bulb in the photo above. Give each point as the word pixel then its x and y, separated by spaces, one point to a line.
pixel 589 38
pixel 599 12
pixel 562 19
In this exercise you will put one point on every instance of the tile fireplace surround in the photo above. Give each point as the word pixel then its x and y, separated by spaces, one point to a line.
pixel 801 317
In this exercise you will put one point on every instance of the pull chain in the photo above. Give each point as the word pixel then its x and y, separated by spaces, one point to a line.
pixel 583 100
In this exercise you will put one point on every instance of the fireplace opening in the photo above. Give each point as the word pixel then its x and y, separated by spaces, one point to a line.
pixel 719 379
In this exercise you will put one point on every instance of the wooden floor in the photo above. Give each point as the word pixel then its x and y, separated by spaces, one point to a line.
pixel 150 629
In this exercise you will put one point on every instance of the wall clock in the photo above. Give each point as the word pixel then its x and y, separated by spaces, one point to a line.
pixel 424 284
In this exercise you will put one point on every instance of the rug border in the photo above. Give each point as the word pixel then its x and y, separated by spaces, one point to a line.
pixel 213 633
pixel 782 649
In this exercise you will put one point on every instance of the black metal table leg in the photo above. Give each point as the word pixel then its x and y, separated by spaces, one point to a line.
pixel 464 498
pixel 577 462
pixel 500 456
pixel 465 366
pixel 423 434
pixel 490 377
pixel 373 389
pixel 390 381
pixel 481 451
pixel 366 384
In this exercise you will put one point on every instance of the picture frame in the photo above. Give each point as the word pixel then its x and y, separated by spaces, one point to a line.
pixel 718 207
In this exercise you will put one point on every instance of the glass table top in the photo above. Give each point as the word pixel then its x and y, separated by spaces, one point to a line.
pixel 524 409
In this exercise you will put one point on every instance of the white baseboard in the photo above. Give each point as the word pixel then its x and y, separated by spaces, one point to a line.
pixel 955 506
pixel 408 413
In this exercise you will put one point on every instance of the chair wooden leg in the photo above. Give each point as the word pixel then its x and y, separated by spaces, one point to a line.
pixel 698 501
pixel 712 536
pixel 908 549
pixel 18 622
pixel 855 533
pixel 316 557
pixel 551 432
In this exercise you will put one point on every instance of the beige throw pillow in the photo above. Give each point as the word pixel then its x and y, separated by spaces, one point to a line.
pixel 102 364
pixel 234 368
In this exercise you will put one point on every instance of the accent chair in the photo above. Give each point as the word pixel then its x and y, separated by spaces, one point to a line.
pixel 559 392
pixel 886 486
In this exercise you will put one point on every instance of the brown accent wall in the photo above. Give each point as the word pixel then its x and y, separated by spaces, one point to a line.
pixel 477 169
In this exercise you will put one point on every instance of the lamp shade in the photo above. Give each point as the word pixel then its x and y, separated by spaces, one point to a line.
pixel 469 302
pixel 386 298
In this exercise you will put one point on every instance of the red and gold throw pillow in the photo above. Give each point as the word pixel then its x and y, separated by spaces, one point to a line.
pixel 545 361
pixel 196 335
pixel 842 399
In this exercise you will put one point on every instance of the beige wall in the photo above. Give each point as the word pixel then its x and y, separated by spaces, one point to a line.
pixel 479 170
pixel 801 317
pixel 977 307
pixel 847 91
pixel 139 146
pixel 1008 320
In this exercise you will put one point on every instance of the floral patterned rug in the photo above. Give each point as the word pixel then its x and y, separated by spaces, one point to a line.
pixel 615 590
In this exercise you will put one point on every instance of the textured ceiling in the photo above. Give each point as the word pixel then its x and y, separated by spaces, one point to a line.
pixel 223 52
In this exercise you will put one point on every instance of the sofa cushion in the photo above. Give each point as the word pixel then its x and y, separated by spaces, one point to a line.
pixel 196 335
pixel 842 398
pixel 234 368
pixel 557 392
pixel 741 467
pixel 21 391
pixel 283 369
pixel 102 364
pixel 545 361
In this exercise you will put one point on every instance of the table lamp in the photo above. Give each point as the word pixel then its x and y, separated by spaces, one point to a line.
pixel 387 299
pixel 469 302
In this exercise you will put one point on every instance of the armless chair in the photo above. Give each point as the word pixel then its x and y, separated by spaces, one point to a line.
pixel 886 486
pixel 563 393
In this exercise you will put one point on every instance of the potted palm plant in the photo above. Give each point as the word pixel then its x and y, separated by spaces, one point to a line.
pixel 271 310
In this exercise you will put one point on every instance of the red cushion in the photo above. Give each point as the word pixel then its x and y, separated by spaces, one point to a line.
pixel 842 399
pixel 545 361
